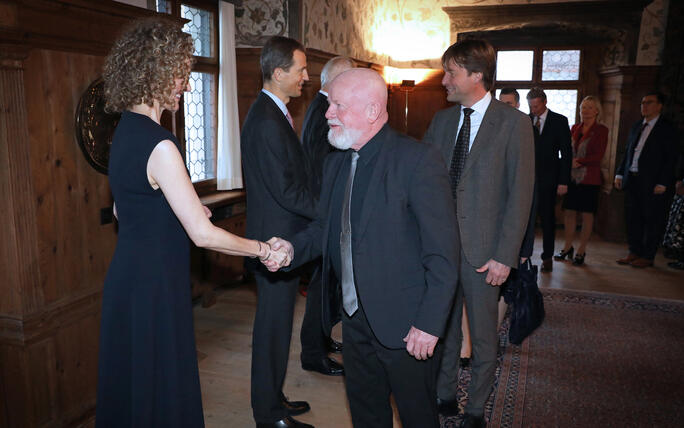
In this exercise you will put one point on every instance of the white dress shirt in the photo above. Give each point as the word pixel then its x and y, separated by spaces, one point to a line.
pixel 479 109
pixel 634 167
pixel 542 120
pixel 642 140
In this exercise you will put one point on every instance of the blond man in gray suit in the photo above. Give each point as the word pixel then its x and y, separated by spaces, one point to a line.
pixel 488 148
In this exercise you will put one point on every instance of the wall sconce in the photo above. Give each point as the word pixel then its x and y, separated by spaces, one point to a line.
pixel 406 87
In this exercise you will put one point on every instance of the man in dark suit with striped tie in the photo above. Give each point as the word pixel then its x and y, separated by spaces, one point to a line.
pixel 553 159
pixel 647 175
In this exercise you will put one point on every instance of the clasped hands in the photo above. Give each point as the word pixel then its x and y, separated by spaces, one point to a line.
pixel 280 256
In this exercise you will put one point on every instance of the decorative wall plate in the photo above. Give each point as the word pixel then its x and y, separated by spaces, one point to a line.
pixel 95 127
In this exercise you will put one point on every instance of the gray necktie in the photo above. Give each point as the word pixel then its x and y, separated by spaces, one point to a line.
pixel 349 300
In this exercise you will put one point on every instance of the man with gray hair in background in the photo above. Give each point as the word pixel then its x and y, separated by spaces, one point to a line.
pixel 316 341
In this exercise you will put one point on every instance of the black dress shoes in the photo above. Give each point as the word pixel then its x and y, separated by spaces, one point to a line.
pixel 334 346
pixel 447 408
pixel 295 408
pixel 473 421
pixel 287 422
pixel 547 265
pixel 326 366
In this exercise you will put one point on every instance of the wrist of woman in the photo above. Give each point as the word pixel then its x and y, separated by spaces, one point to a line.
pixel 264 251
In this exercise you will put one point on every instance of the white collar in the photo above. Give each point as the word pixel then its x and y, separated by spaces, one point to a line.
pixel 323 92
pixel 652 122
pixel 542 116
pixel 482 105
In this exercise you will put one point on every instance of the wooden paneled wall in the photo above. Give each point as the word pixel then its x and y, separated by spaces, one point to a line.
pixel 69 251
pixel 53 250
pixel 423 101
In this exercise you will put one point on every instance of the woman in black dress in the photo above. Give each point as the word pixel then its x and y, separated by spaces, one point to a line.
pixel 147 375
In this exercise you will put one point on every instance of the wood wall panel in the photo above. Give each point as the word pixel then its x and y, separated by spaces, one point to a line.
pixel 424 100
pixel 21 213
pixel 68 192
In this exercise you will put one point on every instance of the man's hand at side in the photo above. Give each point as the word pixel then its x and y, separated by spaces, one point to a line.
pixel 420 344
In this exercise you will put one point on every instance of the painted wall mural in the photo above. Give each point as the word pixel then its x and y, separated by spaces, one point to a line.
pixel 652 33
pixel 400 33
pixel 257 20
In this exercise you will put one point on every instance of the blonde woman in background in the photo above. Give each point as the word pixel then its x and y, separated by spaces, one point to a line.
pixel 589 140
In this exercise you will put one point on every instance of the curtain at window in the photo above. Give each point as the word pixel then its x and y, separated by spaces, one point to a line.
pixel 228 164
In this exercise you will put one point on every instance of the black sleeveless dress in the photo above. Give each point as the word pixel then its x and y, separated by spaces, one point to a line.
pixel 147 375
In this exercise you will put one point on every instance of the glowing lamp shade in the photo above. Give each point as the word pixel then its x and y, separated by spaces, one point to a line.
pixel 394 76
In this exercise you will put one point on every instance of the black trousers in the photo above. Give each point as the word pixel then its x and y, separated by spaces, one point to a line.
pixel 646 217
pixel 271 335
pixel 546 208
pixel 373 372
pixel 313 337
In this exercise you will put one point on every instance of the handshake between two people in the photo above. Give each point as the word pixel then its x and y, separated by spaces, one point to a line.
pixel 280 254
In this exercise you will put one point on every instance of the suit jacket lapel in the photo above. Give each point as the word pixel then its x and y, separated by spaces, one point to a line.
pixel 278 113
pixel 451 134
pixel 487 127
pixel 373 191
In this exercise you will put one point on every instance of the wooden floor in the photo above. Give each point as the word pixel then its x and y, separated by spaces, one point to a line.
pixel 224 337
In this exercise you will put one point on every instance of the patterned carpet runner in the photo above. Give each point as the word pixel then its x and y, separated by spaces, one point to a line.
pixel 599 360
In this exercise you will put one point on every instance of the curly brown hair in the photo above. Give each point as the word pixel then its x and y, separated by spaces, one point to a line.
pixel 145 60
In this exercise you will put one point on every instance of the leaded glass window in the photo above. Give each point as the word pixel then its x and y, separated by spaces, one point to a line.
pixel 561 65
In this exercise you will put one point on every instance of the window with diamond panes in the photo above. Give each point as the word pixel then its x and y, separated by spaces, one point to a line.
pixel 201 28
pixel 563 101
pixel 561 65
pixel 556 71
pixel 200 127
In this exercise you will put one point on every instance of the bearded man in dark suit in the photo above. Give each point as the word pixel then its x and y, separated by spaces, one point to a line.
pixel 386 228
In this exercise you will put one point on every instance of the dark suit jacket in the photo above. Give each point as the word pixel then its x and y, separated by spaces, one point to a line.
pixel 658 158
pixel 406 249
pixel 554 139
pixel 315 140
pixel 497 183
pixel 279 201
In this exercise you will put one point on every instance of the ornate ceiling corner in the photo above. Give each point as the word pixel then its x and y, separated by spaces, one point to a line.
pixel 620 14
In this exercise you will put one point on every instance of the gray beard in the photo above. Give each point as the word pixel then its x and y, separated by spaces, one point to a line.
pixel 344 139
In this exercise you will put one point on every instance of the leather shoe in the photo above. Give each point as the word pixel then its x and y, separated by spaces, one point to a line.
pixel 334 346
pixel 287 422
pixel 472 421
pixel 295 408
pixel 447 408
pixel 627 260
pixel 547 265
pixel 677 265
pixel 641 263
pixel 326 366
